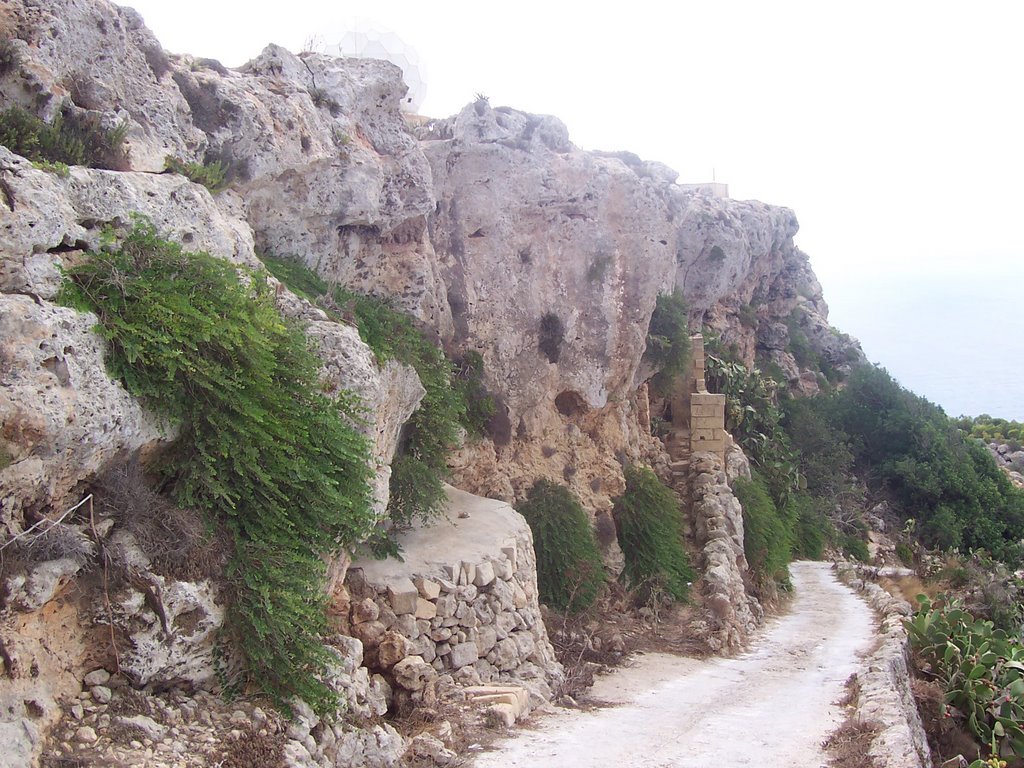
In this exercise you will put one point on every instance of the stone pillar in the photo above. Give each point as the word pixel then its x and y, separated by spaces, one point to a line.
pixel 706 411
pixel 707 423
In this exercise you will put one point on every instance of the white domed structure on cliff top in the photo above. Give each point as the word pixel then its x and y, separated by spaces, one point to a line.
pixel 364 40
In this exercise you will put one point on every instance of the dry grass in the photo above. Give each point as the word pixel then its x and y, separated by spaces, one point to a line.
pixel 946 738
pixel 252 749
pixel 848 747
pixel 909 587
pixel 178 541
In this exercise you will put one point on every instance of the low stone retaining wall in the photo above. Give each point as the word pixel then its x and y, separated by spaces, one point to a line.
pixel 463 602
pixel 885 695
pixel 734 614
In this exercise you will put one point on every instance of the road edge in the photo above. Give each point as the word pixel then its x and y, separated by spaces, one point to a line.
pixel 885 696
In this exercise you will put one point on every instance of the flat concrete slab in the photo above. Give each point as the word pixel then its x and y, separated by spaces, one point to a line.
pixel 490 526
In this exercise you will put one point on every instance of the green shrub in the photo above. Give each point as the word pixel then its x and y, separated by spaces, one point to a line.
pixel 73 138
pixel 905 554
pixel 298 277
pixel 10 57
pixel 767 535
pixel 668 340
pixel 754 418
pixel 812 529
pixel 910 448
pixel 259 448
pixel 649 525
pixel 980 669
pixel 799 344
pixel 748 316
pixel 569 570
pixel 213 175
pixel 855 547
pixel 433 430
pixel 469 381
pixel 455 396
pixel 58 169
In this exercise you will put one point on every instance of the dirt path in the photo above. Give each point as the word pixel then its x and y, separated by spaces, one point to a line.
pixel 770 708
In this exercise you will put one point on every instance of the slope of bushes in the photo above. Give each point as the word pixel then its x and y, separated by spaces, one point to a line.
pixel 910 450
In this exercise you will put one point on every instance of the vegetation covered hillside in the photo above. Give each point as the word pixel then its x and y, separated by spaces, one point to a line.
pixel 824 460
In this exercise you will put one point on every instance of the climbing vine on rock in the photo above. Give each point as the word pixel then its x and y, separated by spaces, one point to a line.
pixel 455 398
pixel 259 448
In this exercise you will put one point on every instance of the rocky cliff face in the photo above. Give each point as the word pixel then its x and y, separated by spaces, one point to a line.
pixel 490 227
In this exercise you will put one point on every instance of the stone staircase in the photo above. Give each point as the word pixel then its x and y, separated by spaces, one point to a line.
pixel 677 445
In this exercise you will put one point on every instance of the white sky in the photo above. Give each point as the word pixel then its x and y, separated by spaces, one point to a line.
pixel 894 129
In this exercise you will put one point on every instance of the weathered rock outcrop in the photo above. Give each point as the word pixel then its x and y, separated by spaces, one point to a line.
pixel 490 226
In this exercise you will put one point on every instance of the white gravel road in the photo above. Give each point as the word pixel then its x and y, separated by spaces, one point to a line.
pixel 771 707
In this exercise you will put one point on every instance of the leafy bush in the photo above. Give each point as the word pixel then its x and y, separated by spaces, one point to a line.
pixel 822 450
pixel 73 138
pixel 767 534
pixel 469 381
pixel 649 525
pixel 979 667
pixel 569 570
pixel 417 477
pixel 754 418
pixel 298 277
pixel 455 396
pixel 748 316
pixel 799 345
pixel 10 57
pixel 812 529
pixel 668 340
pixel 259 449
pixel 905 554
pixel 213 175
pixel 855 547
pixel 992 429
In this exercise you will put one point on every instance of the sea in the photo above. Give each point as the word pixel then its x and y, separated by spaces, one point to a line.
pixel 955 338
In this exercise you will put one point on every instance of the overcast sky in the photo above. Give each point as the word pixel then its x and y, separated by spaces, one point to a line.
pixel 893 129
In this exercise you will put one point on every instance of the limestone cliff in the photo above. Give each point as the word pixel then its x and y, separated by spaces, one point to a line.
pixel 490 227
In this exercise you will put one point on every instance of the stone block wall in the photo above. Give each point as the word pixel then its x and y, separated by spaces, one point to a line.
pixel 696 412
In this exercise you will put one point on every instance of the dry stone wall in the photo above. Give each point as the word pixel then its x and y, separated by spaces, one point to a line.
pixel 733 614
pixel 462 604
pixel 885 695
